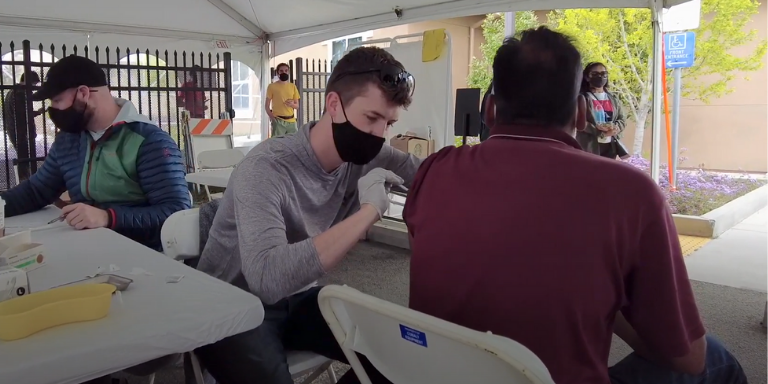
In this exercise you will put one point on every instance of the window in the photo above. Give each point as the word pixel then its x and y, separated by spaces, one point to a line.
pixel 338 47
pixel 242 89
pixel 245 90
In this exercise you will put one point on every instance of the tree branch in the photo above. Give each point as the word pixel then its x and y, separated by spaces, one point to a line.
pixel 628 94
pixel 630 57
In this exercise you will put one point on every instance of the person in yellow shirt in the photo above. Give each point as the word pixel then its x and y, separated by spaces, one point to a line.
pixel 282 101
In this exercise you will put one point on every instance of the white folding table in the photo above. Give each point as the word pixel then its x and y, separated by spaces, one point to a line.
pixel 149 320
pixel 213 178
pixel 31 220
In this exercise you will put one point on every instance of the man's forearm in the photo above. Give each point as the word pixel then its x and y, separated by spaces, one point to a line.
pixel 626 332
pixel 267 108
pixel 333 244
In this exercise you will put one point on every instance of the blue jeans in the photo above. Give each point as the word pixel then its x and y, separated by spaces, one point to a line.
pixel 721 368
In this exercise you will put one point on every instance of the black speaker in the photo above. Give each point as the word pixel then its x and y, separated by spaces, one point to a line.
pixel 466 121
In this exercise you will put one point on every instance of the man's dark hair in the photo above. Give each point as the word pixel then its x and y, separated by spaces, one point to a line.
pixel 485 130
pixel 536 79
pixel 585 87
pixel 282 65
pixel 34 78
pixel 364 66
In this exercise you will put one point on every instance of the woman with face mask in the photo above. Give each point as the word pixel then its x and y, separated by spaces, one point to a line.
pixel 605 120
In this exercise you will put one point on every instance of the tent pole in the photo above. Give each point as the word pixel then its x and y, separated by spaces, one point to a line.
pixel 265 80
pixel 509 24
pixel 657 7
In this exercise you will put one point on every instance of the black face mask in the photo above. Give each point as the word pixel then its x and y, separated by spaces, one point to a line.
pixel 597 81
pixel 72 119
pixel 353 145
pixel 283 77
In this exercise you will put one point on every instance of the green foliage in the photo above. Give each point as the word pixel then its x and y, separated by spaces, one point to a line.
pixel 620 38
pixel 458 140
pixel 480 70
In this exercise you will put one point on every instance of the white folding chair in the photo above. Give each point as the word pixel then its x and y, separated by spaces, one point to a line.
pixel 180 236
pixel 218 159
pixel 409 347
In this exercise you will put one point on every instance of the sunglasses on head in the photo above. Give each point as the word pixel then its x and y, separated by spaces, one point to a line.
pixel 391 76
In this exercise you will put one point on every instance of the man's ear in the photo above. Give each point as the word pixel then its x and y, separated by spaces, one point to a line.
pixel 581 113
pixel 332 103
pixel 490 111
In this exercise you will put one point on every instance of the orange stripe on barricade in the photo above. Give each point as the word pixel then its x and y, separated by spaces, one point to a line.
pixel 200 127
pixel 223 124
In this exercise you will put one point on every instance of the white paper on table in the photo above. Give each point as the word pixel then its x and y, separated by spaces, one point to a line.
pixel 139 271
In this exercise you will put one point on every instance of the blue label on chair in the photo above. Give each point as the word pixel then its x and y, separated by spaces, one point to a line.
pixel 414 336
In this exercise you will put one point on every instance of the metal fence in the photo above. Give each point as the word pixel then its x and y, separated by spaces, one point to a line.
pixel 159 84
pixel 310 77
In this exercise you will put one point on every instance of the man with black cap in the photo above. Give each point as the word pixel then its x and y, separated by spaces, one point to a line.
pixel 121 171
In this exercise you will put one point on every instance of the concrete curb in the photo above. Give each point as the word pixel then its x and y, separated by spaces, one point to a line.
pixel 715 223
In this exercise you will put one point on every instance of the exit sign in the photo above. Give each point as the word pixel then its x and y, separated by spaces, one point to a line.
pixel 221 44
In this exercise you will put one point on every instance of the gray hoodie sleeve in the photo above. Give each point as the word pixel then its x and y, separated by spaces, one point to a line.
pixel 273 268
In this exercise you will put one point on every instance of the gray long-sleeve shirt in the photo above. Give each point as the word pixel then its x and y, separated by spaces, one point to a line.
pixel 276 201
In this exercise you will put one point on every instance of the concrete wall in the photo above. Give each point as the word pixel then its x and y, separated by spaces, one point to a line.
pixel 461 37
pixel 729 133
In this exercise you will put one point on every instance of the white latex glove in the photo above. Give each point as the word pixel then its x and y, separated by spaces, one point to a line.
pixel 372 188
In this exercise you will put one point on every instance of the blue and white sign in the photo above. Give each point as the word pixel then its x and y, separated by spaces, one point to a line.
pixel 679 49
pixel 413 335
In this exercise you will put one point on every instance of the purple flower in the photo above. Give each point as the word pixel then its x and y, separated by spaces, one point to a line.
pixel 699 191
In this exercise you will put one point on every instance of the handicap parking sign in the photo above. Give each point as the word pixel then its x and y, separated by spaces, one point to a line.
pixel 679 49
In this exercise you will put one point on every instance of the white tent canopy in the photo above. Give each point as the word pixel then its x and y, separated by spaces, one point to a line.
pixel 193 25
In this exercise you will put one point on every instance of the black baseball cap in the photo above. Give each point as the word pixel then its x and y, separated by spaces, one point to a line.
pixel 70 72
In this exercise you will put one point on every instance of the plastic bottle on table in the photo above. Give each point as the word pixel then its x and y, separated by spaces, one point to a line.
pixel 599 114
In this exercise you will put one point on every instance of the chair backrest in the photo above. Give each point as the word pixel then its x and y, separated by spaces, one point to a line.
pixel 181 235
pixel 219 158
pixel 409 347
pixel 210 134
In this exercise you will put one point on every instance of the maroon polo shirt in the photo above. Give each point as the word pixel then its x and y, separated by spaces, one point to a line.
pixel 536 240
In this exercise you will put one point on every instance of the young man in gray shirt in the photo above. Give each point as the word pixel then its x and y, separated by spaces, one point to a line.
pixel 294 208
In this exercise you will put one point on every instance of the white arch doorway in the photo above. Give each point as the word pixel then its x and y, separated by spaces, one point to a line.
pixel 12 72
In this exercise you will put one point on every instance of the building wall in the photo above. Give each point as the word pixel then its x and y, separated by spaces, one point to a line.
pixel 729 133
pixel 458 28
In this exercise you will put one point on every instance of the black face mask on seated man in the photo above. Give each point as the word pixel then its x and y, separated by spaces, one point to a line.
pixel 73 119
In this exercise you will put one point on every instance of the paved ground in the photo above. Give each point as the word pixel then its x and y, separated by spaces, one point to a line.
pixel 730 313
pixel 738 258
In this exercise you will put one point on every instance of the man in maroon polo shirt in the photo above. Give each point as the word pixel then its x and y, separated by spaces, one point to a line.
pixel 530 237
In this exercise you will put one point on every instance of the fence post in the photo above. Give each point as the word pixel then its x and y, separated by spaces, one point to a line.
pixel 228 83
pixel 31 133
pixel 300 86
pixel 290 71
